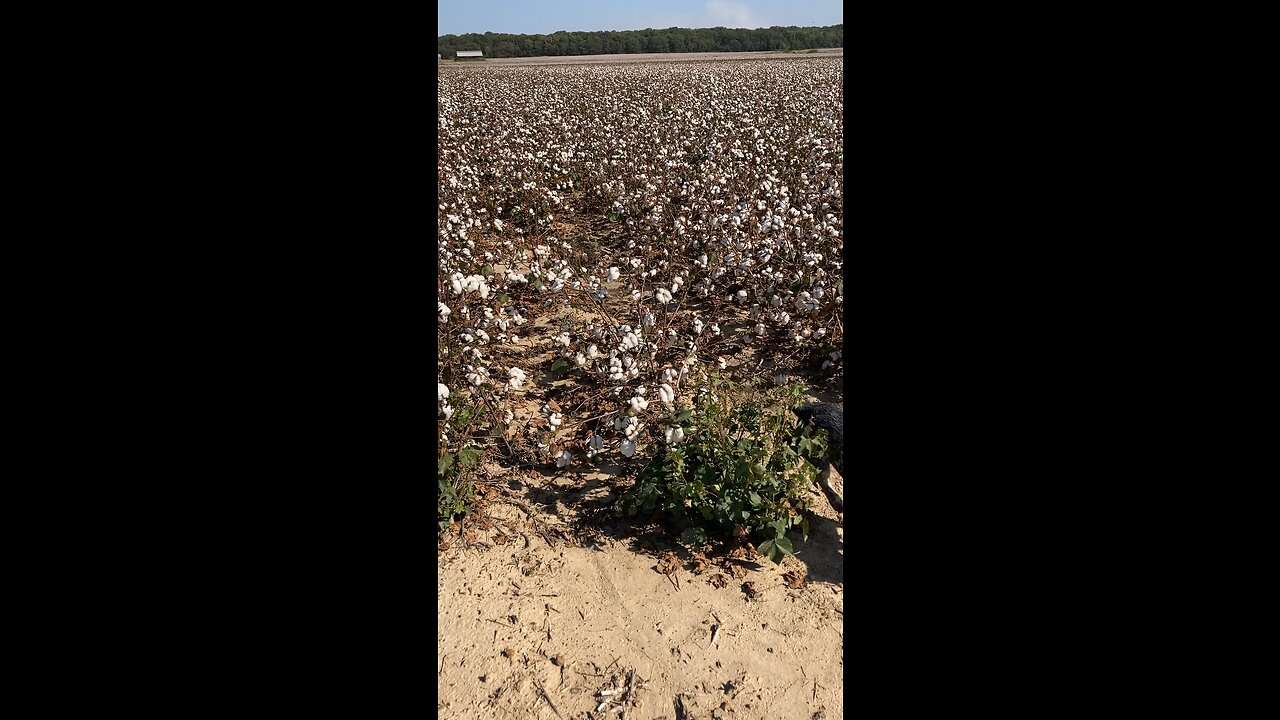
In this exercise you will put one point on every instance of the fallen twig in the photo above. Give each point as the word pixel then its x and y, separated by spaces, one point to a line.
pixel 545 696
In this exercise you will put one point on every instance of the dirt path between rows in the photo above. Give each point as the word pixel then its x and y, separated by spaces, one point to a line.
pixel 539 615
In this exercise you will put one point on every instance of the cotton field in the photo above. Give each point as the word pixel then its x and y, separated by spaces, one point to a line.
pixel 611 234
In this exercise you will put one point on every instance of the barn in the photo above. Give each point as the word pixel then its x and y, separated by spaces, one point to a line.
pixel 464 54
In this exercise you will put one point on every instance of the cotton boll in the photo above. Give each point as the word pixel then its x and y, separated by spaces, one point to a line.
pixel 666 394
pixel 442 391
pixel 614 274
pixel 627 448
pixel 674 435
pixel 517 378
pixel 564 458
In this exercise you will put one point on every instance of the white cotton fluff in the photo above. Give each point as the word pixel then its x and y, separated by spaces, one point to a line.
pixel 517 378
pixel 666 394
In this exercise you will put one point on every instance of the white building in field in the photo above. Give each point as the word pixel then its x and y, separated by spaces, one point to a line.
pixel 470 54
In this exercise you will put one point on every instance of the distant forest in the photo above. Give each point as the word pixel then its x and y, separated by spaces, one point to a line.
pixel 671 40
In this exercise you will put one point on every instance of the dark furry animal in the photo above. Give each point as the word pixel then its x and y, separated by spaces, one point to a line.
pixel 829 417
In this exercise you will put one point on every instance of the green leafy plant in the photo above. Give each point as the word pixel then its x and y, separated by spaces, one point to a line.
pixel 738 471
pixel 456 490
pixel 560 369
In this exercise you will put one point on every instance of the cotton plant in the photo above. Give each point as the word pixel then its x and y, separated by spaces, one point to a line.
pixel 759 211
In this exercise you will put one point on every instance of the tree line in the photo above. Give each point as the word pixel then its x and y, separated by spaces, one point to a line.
pixel 671 40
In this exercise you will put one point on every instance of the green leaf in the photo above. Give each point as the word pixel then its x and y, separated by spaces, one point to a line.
pixel 693 535
pixel 755 499
pixel 560 369
pixel 446 462
pixel 783 544
pixel 804 528
pixel 468 456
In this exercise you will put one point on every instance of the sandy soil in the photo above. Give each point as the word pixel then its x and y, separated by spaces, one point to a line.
pixel 646 57
pixel 539 624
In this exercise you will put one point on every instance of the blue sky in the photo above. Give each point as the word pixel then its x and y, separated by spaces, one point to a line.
pixel 534 17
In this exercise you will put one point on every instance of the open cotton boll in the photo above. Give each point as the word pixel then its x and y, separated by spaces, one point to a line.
pixel 638 403
pixel 674 435
pixel 627 448
pixel 442 391
pixel 517 378
pixel 666 394
pixel 564 458
pixel 614 274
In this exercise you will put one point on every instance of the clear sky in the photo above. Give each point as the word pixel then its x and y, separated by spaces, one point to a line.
pixel 541 17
